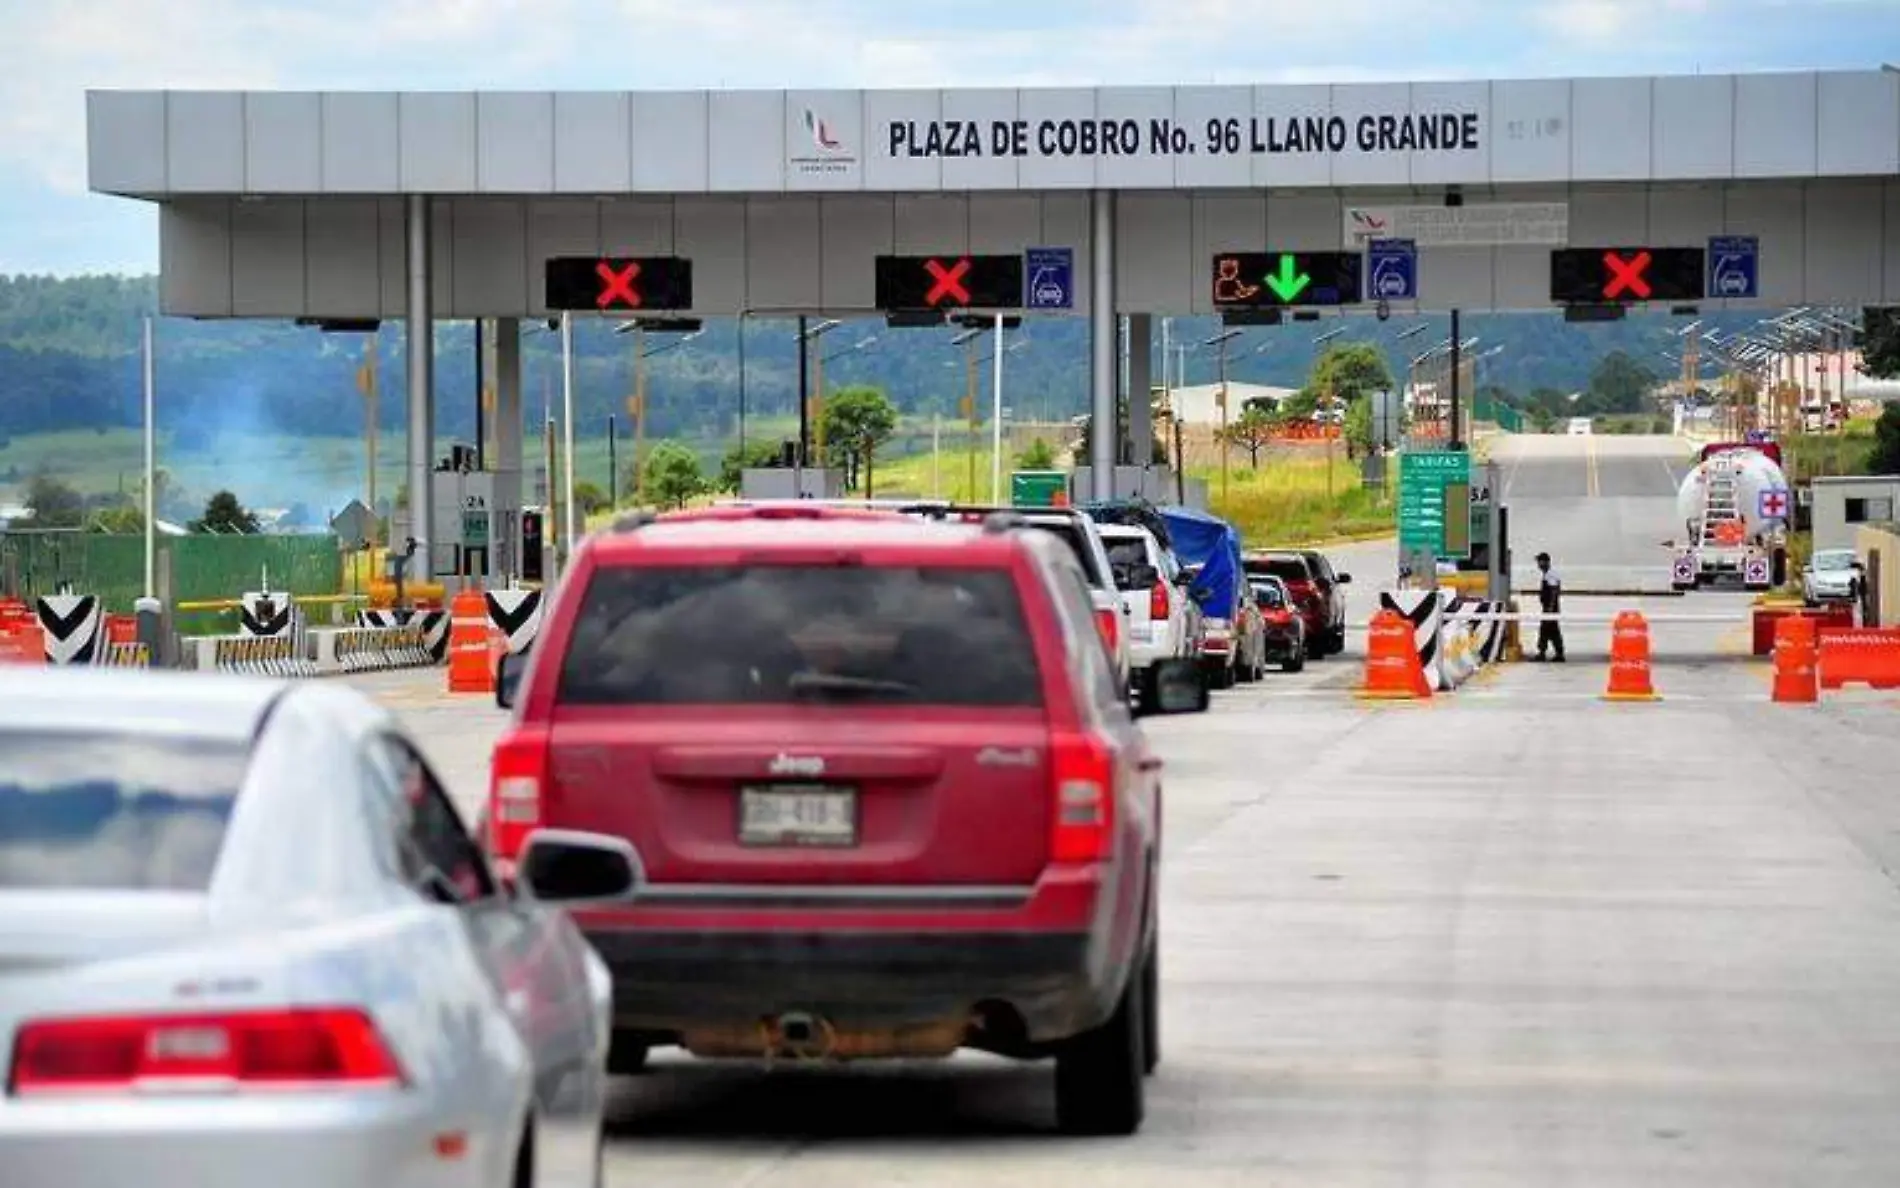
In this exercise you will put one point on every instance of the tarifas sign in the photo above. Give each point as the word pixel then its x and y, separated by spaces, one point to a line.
pixel 1445 131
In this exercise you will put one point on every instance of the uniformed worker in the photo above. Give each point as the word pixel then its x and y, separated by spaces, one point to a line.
pixel 1550 589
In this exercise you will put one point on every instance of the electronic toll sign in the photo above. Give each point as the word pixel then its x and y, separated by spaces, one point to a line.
pixel 1625 275
pixel 949 282
pixel 619 283
pixel 1260 280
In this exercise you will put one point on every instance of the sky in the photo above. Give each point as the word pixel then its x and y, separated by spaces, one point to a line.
pixel 51 53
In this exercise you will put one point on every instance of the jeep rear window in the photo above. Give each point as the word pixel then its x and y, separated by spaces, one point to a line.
pixel 814 634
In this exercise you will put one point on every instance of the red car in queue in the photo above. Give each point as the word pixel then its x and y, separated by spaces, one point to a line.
pixel 1317 590
pixel 883 783
pixel 1283 627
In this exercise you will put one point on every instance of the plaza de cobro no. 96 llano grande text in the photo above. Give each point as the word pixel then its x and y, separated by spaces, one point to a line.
pixel 1446 131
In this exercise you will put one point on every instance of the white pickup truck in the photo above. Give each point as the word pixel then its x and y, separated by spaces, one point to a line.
pixel 1162 619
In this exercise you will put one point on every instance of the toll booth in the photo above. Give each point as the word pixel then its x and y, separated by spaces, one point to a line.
pixel 785 481
pixel 479 524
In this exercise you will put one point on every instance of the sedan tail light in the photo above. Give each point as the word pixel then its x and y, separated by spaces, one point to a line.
pixel 321 1048
pixel 1083 786
pixel 517 791
pixel 1279 617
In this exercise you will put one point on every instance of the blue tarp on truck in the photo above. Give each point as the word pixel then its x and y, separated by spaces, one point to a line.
pixel 1214 545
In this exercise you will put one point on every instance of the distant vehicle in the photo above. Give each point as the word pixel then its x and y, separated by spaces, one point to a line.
pixel 1832 575
pixel 248 941
pixel 883 782
pixel 1283 628
pixel 1580 427
pixel 1734 506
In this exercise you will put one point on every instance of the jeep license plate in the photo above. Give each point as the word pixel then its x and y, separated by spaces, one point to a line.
pixel 798 815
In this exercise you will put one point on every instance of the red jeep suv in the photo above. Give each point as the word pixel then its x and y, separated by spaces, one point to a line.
pixel 886 795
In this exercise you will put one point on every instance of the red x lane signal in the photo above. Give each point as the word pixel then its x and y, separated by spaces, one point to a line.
pixel 947 287
pixel 602 284
pixel 616 285
pixel 1621 274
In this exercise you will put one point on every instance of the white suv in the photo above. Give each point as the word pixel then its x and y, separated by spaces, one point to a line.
pixel 1162 620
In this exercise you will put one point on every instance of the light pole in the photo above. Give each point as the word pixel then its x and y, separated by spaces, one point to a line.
pixel 1332 407
pixel 819 428
pixel 967 340
pixel 150 384
pixel 637 404
pixel 1220 341
pixel 808 412
pixel 567 436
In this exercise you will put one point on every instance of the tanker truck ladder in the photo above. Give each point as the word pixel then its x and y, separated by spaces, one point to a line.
pixel 1722 525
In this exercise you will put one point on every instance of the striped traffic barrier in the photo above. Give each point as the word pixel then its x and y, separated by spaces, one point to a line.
pixel 1424 610
pixel 125 655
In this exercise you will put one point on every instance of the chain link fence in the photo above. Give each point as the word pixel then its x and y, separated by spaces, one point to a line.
pixel 204 567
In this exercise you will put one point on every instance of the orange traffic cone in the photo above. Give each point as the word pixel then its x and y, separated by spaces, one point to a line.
pixel 470 668
pixel 1797 660
pixel 1393 670
pixel 1629 659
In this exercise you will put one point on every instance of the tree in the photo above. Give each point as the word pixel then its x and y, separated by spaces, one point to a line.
pixel 55 504
pixel 223 513
pixel 124 519
pixel 1886 456
pixel 672 474
pixel 1350 370
pixel 1039 456
pixel 1364 436
pixel 753 455
pixel 1619 384
pixel 857 421
pixel 589 498
pixel 1253 431
pixel 1880 343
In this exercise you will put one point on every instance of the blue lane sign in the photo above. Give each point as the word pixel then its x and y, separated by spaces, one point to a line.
pixel 1049 277
pixel 1734 266
pixel 1392 270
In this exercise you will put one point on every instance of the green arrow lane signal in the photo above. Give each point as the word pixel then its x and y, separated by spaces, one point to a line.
pixel 1289 282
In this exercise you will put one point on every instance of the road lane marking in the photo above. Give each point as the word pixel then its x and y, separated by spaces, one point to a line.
pixel 1593 486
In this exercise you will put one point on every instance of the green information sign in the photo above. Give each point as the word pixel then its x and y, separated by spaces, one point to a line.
pixel 474 529
pixel 1037 488
pixel 1423 477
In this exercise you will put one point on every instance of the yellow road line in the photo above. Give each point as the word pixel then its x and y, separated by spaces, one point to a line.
pixel 1594 487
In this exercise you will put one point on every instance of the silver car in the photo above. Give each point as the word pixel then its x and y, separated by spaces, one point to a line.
pixel 245 939
pixel 1832 575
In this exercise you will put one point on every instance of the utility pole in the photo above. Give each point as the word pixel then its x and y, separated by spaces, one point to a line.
pixel 366 384
pixel 1457 441
pixel 639 411
pixel 969 411
pixel 613 466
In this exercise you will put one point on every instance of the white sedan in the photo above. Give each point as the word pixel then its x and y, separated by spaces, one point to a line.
pixel 1832 575
pixel 248 941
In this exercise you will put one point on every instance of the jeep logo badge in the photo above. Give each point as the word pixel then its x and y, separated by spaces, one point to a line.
pixel 796 765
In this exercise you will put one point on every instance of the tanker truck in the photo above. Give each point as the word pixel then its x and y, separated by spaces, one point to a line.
pixel 1733 507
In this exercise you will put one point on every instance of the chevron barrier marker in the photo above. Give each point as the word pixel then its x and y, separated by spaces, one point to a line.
pixel 74 627
pixel 1424 610
pixel 264 614
pixel 517 615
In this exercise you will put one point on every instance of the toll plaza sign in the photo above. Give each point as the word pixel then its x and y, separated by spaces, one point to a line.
pixel 1240 133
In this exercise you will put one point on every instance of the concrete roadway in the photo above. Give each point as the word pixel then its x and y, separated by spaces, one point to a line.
pixel 1513 936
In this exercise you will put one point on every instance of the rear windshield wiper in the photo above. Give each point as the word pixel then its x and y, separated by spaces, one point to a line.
pixel 829 684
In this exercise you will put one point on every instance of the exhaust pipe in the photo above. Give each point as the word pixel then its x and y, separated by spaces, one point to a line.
pixel 805 1037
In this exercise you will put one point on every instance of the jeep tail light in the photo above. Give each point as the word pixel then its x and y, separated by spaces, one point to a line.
pixel 1108 621
pixel 516 792
pixel 299 1048
pixel 1158 601
pixel 1279 615
pixel 1082 824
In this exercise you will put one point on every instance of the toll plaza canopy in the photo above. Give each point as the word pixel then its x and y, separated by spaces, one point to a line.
pixel 297 204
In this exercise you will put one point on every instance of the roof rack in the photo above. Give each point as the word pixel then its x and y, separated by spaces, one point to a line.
pixel 1002 521
pixel 634 521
